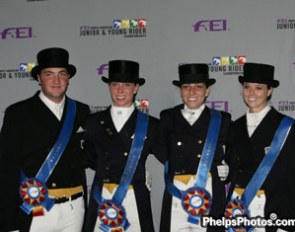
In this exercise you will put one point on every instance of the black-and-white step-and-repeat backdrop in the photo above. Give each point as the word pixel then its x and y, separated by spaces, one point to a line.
pixel 160 35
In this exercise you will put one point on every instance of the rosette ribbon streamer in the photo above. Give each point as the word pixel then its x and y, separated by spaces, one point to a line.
pixel 111 212
pixel 196 201
pixel 33 191
pixel 239 207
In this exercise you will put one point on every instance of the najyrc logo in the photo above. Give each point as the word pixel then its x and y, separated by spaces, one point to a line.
pixel 214 25
pixel 129 28
pixel 16 33
pixel 228 65
pixel 286 105
pixel 285 24
pixel 24 71
pixel 218 105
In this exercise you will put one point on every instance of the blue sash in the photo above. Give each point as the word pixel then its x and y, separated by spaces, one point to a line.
pixel 197 201
pixel 111 212
pixel 241 205
pixel 33 190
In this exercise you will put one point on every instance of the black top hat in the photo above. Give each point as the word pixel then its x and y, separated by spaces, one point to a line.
pixel 193 73
pixel 259 73
pixel 124 71
pixel 53 57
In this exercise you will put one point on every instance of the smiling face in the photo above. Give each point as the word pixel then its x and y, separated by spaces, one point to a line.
pixel 54 83
pixel 256 95
pixel 194 94
pixel 122 93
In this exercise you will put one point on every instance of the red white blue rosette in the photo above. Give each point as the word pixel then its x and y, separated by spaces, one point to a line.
pixel 113 217
pixel 35 196
pixel 236 208
pixel 196 202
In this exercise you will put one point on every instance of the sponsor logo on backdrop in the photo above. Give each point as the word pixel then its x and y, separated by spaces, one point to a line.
pixel 228 65
pixel 285 24
pixel 16 33
pixel 286 106
pixel 127 28
pixel 213 25
pixel 218 105
pixel 23 71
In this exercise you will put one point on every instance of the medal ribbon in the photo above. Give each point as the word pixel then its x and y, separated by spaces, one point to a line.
pixel 36 200
pixel 268 161
pixel 241 205
pixel 134 156
pixel 204 165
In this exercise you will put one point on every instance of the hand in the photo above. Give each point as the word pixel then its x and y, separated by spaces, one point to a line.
pixel 223 171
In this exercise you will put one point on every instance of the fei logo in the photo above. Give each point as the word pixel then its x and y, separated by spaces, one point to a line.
pixel 102 69
pixel 211 25
pixel 17 33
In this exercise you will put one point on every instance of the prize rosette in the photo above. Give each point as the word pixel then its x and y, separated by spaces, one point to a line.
pixel 236 208
pixel 35 197
pixel 196 202
pixel 113 217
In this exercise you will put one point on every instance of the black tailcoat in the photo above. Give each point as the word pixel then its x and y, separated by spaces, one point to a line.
pixel 245 155
pixel 107 152
pixel 28 133
pixel 185 145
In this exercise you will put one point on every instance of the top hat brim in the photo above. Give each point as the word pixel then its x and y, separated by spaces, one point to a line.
pixel 37 69
pixel 209 82
pixel 272 83
pixel 139 81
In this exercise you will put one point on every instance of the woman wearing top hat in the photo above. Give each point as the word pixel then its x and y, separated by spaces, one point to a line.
pixel 261 173
pixel 118 141
pixel 186 132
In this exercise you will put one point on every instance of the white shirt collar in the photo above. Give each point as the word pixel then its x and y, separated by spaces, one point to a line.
pixel 254 119
pixel 56 108
pixel 192 115
pixel 120 115
pixel 259 115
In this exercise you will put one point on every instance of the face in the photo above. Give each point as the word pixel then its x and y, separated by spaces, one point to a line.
pixel 255 96
pixel 54 83
pixel 122 93
pixel 194 94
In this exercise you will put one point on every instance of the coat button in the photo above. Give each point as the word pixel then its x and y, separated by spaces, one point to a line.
pixel 107 168
pixel 53 185
pixel 179 143
pixel 125 153
pixel 200 141
pixel 199 155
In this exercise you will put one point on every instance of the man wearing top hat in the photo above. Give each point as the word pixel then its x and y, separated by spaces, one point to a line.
pixel 118 141
pixel 186 135
pixel 42 166
pixel 261 152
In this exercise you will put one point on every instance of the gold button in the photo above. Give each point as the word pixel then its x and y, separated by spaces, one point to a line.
pixel 53 184
pixel 199 155
pixel 179 143
pixel 200 142
pixel 125 153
